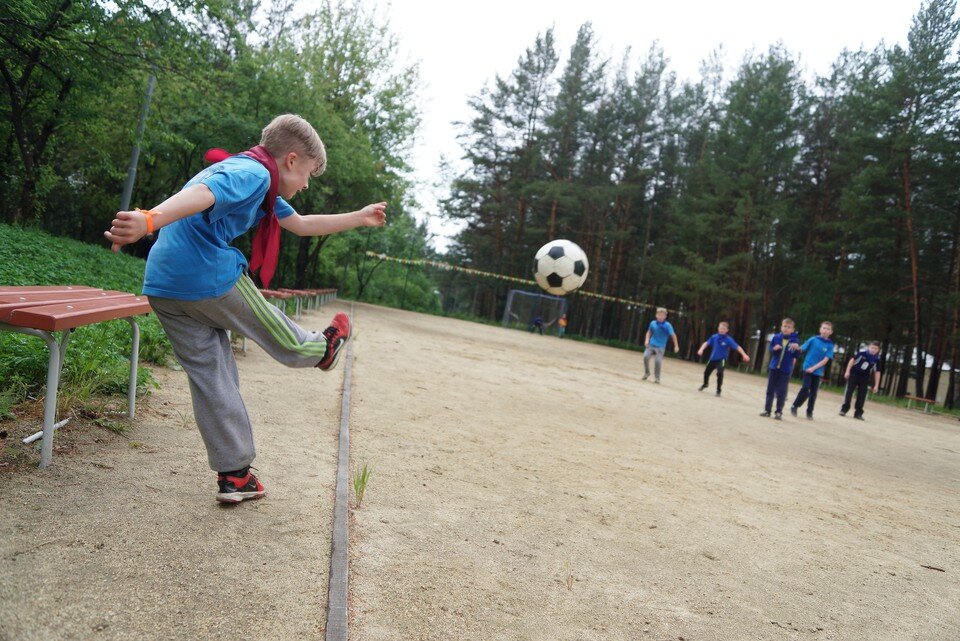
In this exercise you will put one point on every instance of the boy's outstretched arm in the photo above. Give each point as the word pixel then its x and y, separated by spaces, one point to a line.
pixel 743 354
pixel 373 215
pixel 130 226
pixel 702 347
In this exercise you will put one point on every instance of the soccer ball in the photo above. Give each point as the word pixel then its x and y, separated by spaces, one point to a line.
pixel 560 267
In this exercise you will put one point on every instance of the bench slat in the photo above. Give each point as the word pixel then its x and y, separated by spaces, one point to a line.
pixel 12 302
pixel 30 289
pixel 62 316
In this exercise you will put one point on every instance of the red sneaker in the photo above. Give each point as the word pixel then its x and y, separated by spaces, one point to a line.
pixel 234 489
pixel 337 335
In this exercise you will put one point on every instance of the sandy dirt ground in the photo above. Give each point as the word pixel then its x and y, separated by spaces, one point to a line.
pixel 527 487
pixel 523 487
pixel 121 538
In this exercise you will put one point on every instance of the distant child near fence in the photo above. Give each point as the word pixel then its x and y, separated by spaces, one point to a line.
pixel 784 348
pixel 720 343
pixel 658 332
pixel 862 370
pixel 819 351
pixel 562 325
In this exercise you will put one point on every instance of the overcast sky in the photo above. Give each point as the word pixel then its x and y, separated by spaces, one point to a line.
pixel 462 45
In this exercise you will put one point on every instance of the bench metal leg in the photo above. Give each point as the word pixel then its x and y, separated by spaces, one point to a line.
pixel 134 359
pixel 54 363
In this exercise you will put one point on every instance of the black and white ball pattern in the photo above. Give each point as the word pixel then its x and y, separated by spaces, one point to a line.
pixel 560 267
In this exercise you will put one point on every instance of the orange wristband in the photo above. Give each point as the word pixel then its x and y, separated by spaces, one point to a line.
pixel 149 213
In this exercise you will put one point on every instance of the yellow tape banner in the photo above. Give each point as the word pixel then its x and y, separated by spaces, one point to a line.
pixel 422 262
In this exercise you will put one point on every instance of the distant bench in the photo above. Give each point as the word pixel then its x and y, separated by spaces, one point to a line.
pixel 303 298
pixel 928 403
pixel 40 311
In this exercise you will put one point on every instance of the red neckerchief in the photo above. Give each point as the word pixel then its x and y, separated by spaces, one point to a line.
pixel 265 250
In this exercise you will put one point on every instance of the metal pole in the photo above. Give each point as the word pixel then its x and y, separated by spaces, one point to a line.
pixel 135 155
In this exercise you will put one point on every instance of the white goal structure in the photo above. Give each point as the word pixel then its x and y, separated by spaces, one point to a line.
pixel 523 307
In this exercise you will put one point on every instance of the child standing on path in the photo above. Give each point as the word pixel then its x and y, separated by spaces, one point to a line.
pixel 860 370
pixel 721 344
pixel 199 287
pixel 784 347
pixel 656 342
pixel 819 350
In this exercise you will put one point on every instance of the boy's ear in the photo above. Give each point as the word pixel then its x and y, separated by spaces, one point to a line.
pixel 290 159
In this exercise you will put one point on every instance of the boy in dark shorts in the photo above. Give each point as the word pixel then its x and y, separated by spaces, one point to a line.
pixel 200 289
pixel 720 343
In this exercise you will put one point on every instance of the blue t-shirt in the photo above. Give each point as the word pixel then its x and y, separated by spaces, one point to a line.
pixel 817 349
pixel 659 333
pixel 192 258
pixel 865 364
pixel 721 344
pixel 784 358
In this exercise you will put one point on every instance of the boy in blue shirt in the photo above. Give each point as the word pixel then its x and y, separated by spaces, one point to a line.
pixel 784 348
pixel 200 289
pixel 819 351
pixel 658 332
pixel 721 345
pixel 862 369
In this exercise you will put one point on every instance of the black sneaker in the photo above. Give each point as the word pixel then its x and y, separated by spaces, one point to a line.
pixel 765 414
pixel 809 416
pixel 778 416
pixel 718 392
pixel 701 388
pixel 235 489
pixel 859 417
pixel 842 413
pixel 793 410
pixel 646 376
pixel 337 335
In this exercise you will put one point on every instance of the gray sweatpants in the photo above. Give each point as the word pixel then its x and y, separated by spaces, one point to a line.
pixel 657 353
pixel 198 333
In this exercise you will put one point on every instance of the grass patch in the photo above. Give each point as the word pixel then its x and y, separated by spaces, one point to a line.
pixel 360 480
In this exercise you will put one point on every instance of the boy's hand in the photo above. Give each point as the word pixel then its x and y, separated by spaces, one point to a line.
pixel 794 346
pixel 676 349
pixel 746 359
pixel 128 227
pixel 810 370
pixel 374 215
pixel 777 348
pixel 846 376
pixel 876 388
pixel 699 352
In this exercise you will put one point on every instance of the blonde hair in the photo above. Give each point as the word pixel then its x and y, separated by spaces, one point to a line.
pixel 290 132
pixel 827 323
pixel 662 309
pixel 789 321
pixel 725 324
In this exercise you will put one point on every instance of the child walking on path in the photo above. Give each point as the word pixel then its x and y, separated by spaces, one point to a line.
pixel 658 333
pixel 784 347
pixel 721 344
pixel 199 287
pixel 860 370
pixel 819 350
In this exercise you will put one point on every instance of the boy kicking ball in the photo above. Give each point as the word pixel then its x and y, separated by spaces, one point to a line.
pixel 721 344
pixel 200 289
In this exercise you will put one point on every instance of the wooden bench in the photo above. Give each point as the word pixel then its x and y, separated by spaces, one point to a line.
pixel 928 403
pixel 40 311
